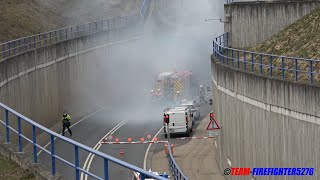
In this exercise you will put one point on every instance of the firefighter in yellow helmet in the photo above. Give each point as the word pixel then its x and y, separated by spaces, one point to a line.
pixel 66 118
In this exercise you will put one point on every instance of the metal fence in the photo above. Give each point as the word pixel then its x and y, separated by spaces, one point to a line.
pixel 77 147
pixel 25 44
pixel 174 168
pixel 275 66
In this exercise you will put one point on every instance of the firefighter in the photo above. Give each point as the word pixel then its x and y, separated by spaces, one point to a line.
pixel 66 118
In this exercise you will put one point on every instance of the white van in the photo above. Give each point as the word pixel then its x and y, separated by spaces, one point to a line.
pixel 180 121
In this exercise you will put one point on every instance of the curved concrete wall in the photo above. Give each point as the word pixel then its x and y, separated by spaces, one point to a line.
pixel 265 122
pixel 43 83
pixel 251 23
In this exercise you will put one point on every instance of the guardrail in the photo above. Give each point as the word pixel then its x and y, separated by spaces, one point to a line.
pixel 54 156
pixel 274 66
pixel 174 168
pixel 25 44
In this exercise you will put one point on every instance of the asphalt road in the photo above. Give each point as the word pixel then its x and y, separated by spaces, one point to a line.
pixel 91 130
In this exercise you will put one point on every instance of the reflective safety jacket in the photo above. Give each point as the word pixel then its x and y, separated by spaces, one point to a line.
pixel 66 119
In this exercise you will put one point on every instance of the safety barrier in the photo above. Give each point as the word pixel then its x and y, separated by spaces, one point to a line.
pixel 25 44
pixel 174 168
pixel 274 66
pixel 53 135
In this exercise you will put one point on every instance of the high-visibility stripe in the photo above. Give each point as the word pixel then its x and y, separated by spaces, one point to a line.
pixel 177 87
pixel 136 142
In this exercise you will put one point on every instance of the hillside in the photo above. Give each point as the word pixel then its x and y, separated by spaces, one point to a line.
pixel 21 18
pixel 300 39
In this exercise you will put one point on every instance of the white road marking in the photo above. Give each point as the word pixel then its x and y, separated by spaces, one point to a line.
pixel 71 127
pixel 147 151
pixel 90 157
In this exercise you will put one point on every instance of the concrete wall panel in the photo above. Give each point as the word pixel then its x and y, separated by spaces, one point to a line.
pixel 255 132
pixel 252 23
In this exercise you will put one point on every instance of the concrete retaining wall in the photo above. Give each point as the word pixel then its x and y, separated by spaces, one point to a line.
pixel 265 122
pixel 43 83
pixel 251 23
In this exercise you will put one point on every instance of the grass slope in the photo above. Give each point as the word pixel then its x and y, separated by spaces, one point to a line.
pixel 19 18
pixel 12 171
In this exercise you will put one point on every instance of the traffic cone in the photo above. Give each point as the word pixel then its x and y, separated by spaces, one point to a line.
pixel 121 152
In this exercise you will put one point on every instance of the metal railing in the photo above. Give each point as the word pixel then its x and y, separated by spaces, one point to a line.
pixel 275 66
pixel 77 147
pixel 25 44
pixel 174 168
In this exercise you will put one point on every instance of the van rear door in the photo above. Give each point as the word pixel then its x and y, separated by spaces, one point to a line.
pixel 178 122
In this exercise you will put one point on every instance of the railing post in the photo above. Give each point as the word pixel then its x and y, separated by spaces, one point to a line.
pixel 45 39
pixel 19 45
pixel 71 30
pixel 19 136
pixel 106 169
pixel 7 127
pixel 96 26
pixel 60 34
pixel 238 59
pixel 271 66
pixel 14 47
pixel 282 67
pixel 232 57
pixel 34 42
pixel 142 176
pixel 56 37
pixel 34 142
pixel 39 40
pixel 311 72
pixel 76 161
pixel 53 159
pixel 9 48
pixel 261 64
pixel 244 61
pixel 227 56
pixel 4 50
pixel 66 33
pixel 252 62
pixel 25 43
pixel 227 39
pixel 50 37
pixel 296 69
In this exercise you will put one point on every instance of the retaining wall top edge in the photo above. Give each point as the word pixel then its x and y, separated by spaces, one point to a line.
pixel 269 2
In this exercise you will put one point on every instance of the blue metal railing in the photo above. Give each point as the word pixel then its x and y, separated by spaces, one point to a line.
pixel 174 168
pixel 275 66
pixel 77 147
pixel 25 44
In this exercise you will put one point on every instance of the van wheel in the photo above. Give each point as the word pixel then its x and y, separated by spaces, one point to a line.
pixel 165 136
pixel 191 129
pixel 188 133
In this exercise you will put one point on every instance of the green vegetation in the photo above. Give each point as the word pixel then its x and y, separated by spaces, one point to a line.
pixel 20 18
pixel 301 39
pixel 11 171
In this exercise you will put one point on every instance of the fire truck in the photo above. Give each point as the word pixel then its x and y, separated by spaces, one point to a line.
pixel 174 86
